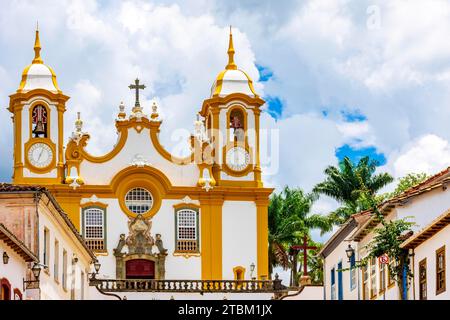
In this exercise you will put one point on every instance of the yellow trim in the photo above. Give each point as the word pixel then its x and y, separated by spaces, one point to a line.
pixel 219 82
pixel 245 115
pixel 55 82
pixel 50 144
pixel 186 255
pixel 189 205
pixel 231 171
pixel 93 204
pixel 147 177
pixel 37 50
pixel 30 117
pixel 250 83
pixel 211 238
pixel 75 153
pixel 231 65
pixel 240 269
pixel 139 181
pixel 262 234
pixel 70 203
pixel 23 82
pixel 215 102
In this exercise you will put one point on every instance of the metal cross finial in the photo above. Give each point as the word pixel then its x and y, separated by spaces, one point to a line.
pixel 137 87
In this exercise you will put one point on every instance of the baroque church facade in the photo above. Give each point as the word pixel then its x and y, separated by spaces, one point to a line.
pixel 145 213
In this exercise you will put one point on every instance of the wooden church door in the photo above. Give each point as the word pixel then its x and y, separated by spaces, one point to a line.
pixel 140 269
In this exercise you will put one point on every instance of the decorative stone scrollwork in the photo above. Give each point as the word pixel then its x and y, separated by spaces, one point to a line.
pixel 140 243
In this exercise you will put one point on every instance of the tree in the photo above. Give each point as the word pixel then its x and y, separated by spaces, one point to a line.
pixel 289 220
pixel 345 182
pixel 404 183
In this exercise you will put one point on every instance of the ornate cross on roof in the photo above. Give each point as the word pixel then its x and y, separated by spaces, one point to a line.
pixel 137 87
pixel 304 246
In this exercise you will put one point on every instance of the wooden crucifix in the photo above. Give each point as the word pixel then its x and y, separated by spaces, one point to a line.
pixel 137 87
pixel 304 246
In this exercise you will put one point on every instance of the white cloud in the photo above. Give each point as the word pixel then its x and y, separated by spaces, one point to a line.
pixel 429 154
pixel 307 146
pixel 322 55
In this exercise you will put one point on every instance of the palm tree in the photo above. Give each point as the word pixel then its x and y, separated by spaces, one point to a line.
pixel 289 220
pixel 348 182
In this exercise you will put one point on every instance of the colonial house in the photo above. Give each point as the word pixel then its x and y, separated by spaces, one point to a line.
pixel 427 205
pixel 14 265
pixel 44 257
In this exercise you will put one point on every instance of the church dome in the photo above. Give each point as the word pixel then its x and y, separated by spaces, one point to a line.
pixel 38 75
pixel 232 79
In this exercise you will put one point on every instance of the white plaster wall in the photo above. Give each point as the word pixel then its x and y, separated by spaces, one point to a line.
pixel 309 293
pixel 51 288
pixel 50 174
pixel 331 261
pixel 391 293
pixel 428 250
pixel 163 223
pixel 138 143
pixel 425 208
pixel 14 271
pixel 239 242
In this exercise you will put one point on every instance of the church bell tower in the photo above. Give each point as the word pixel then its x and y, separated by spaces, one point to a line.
pixel 232 123
pixel 38 108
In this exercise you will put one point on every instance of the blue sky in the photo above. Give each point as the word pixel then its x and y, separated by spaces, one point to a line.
pixel 339 77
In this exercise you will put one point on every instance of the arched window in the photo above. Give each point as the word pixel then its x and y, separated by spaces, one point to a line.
pixel 39 121
pixel 237 124
pixel 186 230
pixel 17 294
pixel 5 289
pixel 239 273
pixel 94 228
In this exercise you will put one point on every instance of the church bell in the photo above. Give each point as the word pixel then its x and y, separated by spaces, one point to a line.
pixel 39 129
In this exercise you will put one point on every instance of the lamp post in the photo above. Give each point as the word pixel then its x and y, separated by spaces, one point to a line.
pixel 5 258
pixel 350 252
pixel 252 269
pixel 33 284
pixel 97 266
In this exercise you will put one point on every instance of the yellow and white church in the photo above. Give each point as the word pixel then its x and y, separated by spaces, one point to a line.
pixel 145 213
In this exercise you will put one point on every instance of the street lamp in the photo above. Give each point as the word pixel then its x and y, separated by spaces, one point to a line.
pixel 252 269
pixel 350 252
pixel 33 284
pixel 97 266
pixel 5 258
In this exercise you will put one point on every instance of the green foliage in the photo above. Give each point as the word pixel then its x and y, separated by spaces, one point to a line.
pixel 387 240
pixel 289 220
pixel 404 184
pixel 344 184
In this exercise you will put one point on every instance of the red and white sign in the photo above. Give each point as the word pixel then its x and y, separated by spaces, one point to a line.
pixel 384 259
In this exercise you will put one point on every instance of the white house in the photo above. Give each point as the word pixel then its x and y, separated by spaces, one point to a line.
pixel 35 230
pixel 15 257
pixel 426 205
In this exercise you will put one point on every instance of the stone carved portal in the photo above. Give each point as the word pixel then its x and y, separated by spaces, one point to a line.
pixel 139 260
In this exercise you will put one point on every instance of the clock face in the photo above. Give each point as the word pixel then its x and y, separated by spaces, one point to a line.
pixel 238 158
pixel 40 155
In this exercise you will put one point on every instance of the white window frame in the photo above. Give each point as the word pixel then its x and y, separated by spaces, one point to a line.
pixel 102 224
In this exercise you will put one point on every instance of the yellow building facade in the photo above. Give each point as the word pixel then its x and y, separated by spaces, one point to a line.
pixel 143 211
